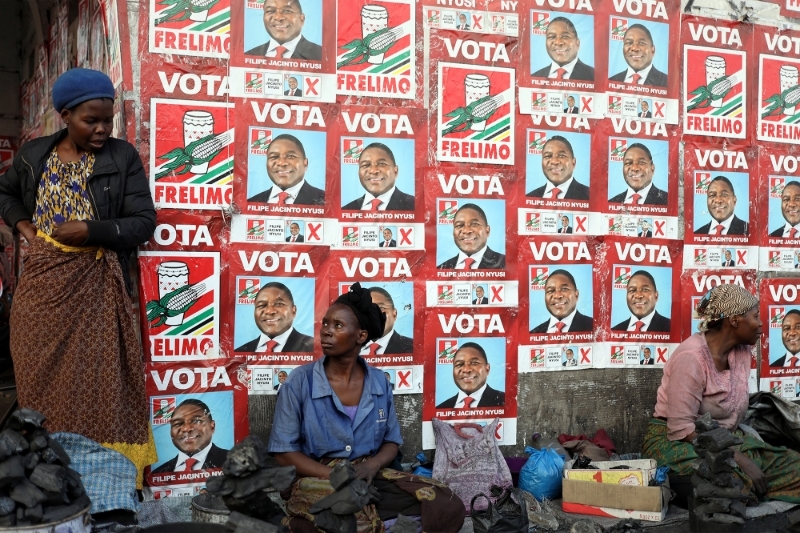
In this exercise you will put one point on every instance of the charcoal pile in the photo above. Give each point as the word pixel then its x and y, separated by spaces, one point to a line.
pixel 37 486
pixel 245 486
pixel 335 513
pixel 719 500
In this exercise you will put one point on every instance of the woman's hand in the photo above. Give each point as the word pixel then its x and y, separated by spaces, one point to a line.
pixel 27 229
pixel 72 233
pixel 367 469
pixel 752 471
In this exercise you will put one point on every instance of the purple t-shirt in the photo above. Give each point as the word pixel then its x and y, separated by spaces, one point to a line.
pixel 351 411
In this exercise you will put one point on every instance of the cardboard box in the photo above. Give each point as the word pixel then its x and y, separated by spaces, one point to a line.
pixel 620 501
pixel 639 473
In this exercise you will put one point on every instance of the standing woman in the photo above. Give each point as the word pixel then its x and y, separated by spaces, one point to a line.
pixel 82 201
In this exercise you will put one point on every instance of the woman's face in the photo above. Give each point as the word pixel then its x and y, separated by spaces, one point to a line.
pixel 749 326
pixel 340 332
pixel 90 123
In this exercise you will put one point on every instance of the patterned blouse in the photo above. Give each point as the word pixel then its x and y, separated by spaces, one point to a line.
pixel 63 194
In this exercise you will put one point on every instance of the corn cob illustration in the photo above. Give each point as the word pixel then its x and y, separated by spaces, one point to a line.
pixel 249 292
pixel 478 111
pixel 778 102
pixel 373 44
pixel 448 353
pixel 183 9
pixel 353 152
pixel 777 319
pixel 537 358
pixel 622 278
pixel 196 153
pixel 539 101
pixel 433 18
pixel 777 188
pixel 174 303
pixel 540 25
pixel 618 151
pixel 537 144
pixel 351 237
pixel 716 90
pixel 446 293
pixel 449 212
pixel 261 144
pixel 619 31
pixel 164 412
pixel 615 105
pixel 700 258
pixel 774 260
pixel 539 279
pixel 615 227
pixel 616 356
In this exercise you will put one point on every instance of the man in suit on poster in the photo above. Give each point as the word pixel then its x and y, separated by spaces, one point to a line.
pixel 377 172
pixel 470 233
pixel 283 20
pixel 638 50
pixel 728 262
pixel 645 231
pixel 571 361
pixel 642 296
pixel 462 22
pixel 391 342
pixel 294 230
pixel 387 241
pixel 565 227
pixel 293 90
pixel 561 300
pixel 274 315
pixel 721 201
pixel 790 335
pixel 571 108
pixel 191 429
pixel 645 111
pixel 558 165
pixel 479 299
pixel 562 45
pixel 790 208
pixel 637 171
pixel 470 371
pixel 286 167
pixel 647 358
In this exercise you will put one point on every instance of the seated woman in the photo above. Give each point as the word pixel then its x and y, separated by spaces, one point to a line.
pixel 340 408
pixel 708 373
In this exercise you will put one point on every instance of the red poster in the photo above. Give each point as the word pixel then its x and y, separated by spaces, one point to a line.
pixel 282 50
pixel 199 29
pixel 473 18
pixel 197 408
pixel 720 206
pixel 789 8
pixel 639 172
pixel 642 287
pixel 697 283
pixel 780 340
pixel 780 232
pixel 561 307
pixel 778 85
pixel 8 148
pixel 563 71
pixel 561 175
pixel 641 42
pixel 715 77
pixel 394 282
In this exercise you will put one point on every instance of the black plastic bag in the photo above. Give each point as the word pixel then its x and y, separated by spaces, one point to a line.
pixel 507 515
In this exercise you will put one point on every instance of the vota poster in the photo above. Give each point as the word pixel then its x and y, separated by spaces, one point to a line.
pixel 778 85
pixel 563 71
pixel 281 51
pixel 720 206
pixel 780 340
pixel 563 308
pixel 194 406
pixel 561 175
pixel 395 285
pixel 696 284
pixel 641 42
pixel 471 17
pixel 642 289
pixel 469 369
pixel 200 29
pixel 780 232
pixel 640 177
pixel 191 157
pixel 376 49
pixel 715 77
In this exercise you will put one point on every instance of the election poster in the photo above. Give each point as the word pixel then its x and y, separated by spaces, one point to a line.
pixel 198 411
pixel 199 28
pixel 642 289
pixel 376 49
pixel 721 206
pixel 778 84
pixel 561 306
pixel 560 180
pixel 8 148
pixel 287 51
pixel 191 157
pixel 638 169
pixel 697 283
pixel 470 375
pixel 641 43
pixel 715 77
pixel 393 279
pixel 479 18
pixel 789 8
pixel 562 71
pixel 780 339
pixel 780 232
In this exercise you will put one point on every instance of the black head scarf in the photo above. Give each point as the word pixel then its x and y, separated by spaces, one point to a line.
pixel 369 315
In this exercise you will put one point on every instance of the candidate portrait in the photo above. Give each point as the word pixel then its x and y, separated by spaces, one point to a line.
pixel 645 229
pixel 790 209
pixel 638 50
pixel 565 227
pixel 641 296
pixel 286 168
pixel 647 357
pixel 561 301
pixel 562 45
pixel 391 342
pixel 721 204
pixel 558 167
pixel 191 429
pixel 463 23
pixel 388 239
pixel 570 360
pixel 471 370
pixel 293 90
pixel 644 110
pixel 377 173
pixel 571 108
pixel 637 171
pixel 283 21
pixel 790 335
pixel 480 296
pixel 471 232
pixel 728 261
pixel 274 314
pixel 294 233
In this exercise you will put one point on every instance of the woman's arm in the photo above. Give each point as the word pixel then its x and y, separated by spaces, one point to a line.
pixel 687 382
pixel 305 465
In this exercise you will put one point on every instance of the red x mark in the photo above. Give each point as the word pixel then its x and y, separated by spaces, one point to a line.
pixel 585 355
pixel 586 104
pixel 311 86
pixel 658 109
pixel 660 227
pixel 579 223
pixel 496 296
pixel 312 230
pixel 477 22
pixel 662 352
pixel 405 236
pixel 404 378
pixel 741 257
pixel 497 434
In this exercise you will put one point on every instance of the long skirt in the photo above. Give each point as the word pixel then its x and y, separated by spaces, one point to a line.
pixel 441 510
pixel 780 465
pixel 76 354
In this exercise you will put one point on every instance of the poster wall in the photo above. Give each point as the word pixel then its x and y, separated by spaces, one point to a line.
pixel 780 340
pixel 780 181
pixel 778 88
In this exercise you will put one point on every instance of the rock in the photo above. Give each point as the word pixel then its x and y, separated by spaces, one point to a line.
pixel 30 461
pixel 342 474
pixel 333 523
pixel 27 494
pixel 705 423
pixel 585 526
pixel 404 524
pixel 15 443
pixel 25 417
pixel 707 490
pixel 248 456
pixel 344 501
pixel 720 461
pixel 34 514
pixel 739 509
pixel 277 479
pixel 12 471
pixel 716 440
pixel 719 518
pixel 247 524
pixel 7 506
pixel 38 443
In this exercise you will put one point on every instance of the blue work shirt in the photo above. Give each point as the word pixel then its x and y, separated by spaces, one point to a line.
pixel 310 418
